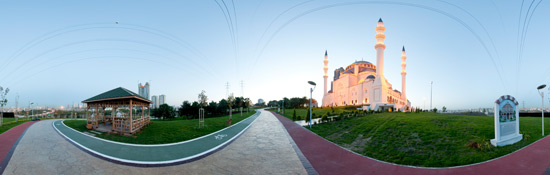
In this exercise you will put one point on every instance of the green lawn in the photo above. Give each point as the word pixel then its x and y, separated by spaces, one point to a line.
pixel 425 139
pixel 170 131
pixel 9 123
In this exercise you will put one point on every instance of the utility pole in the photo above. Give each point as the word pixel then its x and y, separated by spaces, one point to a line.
pixel 227 89
pixel 242 88
pixel 431 93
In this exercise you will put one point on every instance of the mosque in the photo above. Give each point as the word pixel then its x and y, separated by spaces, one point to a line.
pixel 364 84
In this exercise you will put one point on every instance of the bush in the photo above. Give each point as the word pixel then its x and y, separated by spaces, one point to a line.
pixel 324 118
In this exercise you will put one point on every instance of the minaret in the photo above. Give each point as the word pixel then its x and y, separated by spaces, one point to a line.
pixel 325 76
pixel 380 46
pixel 380 87
pixel 403 75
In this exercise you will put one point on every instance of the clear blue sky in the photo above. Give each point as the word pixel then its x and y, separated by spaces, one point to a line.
pixel 59 52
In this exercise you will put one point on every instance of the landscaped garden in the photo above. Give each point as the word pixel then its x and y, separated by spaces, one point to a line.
pixel 166 131
pixel 420 139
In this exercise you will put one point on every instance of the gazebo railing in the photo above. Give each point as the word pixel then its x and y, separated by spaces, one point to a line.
pixel 123 124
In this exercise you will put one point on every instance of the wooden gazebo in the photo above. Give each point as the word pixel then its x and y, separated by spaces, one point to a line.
pixel 129 111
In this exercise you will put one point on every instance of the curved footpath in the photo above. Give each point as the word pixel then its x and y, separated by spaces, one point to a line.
pixel 8 142
pixel 264 148
pixel 156 154
pixel 329 158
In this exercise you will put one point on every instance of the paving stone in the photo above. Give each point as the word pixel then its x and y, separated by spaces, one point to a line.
pixel 263 149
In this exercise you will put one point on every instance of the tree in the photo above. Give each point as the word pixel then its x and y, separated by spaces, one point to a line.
pixel 435 110
pixel 294 115
pixel 212 107
pixel 3 102
pixel 164 111
pixel 203 99
pixel 230 103
pixel 273 103
pixel 202 103
pixel 444 109
pixel 185 109
pixel 222 106
pixel 239 101
pixel 247 104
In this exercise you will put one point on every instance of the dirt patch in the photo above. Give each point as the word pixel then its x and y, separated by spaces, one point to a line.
pixel 358 144
pixel 337 135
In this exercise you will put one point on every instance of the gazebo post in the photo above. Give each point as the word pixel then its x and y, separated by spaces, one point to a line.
pixel 113 113
pixel 96 116
pixel 87 116
pixel 131 117
pixel 103 116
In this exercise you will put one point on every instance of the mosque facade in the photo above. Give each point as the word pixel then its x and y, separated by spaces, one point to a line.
pixel 363 84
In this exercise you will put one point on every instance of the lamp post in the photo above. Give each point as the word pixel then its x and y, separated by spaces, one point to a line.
pixel 32 112
pixel 310 99
pixel 542 97
pixel 431 92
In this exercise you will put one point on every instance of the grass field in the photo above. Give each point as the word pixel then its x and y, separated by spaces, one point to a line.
pixel 9 123
pixel 169 131
pixel 425 139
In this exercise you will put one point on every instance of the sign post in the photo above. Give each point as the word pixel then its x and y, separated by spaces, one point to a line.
pixel 506 121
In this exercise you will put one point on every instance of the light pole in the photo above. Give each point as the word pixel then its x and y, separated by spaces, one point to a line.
pixel 310 99
pixel 431 92
pixel 32 112
pixel 542 97
pixel 283 105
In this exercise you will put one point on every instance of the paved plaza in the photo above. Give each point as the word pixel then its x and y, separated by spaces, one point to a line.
pixel 263 149
pixel 271 145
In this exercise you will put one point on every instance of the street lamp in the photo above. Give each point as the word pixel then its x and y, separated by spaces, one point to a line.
pixel 32 112
pixel 542 96
pixel 310 99
pixel 431 92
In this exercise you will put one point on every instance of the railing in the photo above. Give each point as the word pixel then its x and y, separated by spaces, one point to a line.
pixel 123 124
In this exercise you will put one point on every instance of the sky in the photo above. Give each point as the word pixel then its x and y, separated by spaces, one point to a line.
pixel 62 52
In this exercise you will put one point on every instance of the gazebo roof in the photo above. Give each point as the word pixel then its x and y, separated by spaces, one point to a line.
pixel 116 94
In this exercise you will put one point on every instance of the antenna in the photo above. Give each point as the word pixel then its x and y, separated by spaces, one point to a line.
pixel 242 88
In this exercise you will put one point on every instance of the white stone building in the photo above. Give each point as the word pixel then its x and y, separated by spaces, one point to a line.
pixel 364 84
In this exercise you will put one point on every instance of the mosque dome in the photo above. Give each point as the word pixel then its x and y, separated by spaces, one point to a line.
pixel 370 77
pixel 362 65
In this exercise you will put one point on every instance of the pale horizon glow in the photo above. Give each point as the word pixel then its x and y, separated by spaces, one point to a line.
pixel 63 52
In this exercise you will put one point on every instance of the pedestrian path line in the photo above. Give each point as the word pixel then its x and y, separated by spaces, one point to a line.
pixel 154 155
pixel 9 141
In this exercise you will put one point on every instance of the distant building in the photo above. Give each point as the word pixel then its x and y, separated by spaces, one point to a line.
pixel 143 90
pixel 162 100
pixel 261 102
pixel 155 102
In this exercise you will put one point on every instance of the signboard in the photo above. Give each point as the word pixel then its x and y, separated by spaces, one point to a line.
pixel 506 121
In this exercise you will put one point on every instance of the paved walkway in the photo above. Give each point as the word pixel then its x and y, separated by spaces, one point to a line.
pixel 329 158
pixel 158 154
pixel 8 140
pixel 263 149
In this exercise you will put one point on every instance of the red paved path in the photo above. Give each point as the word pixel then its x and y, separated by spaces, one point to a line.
pixel 328 158
pixel 8 138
